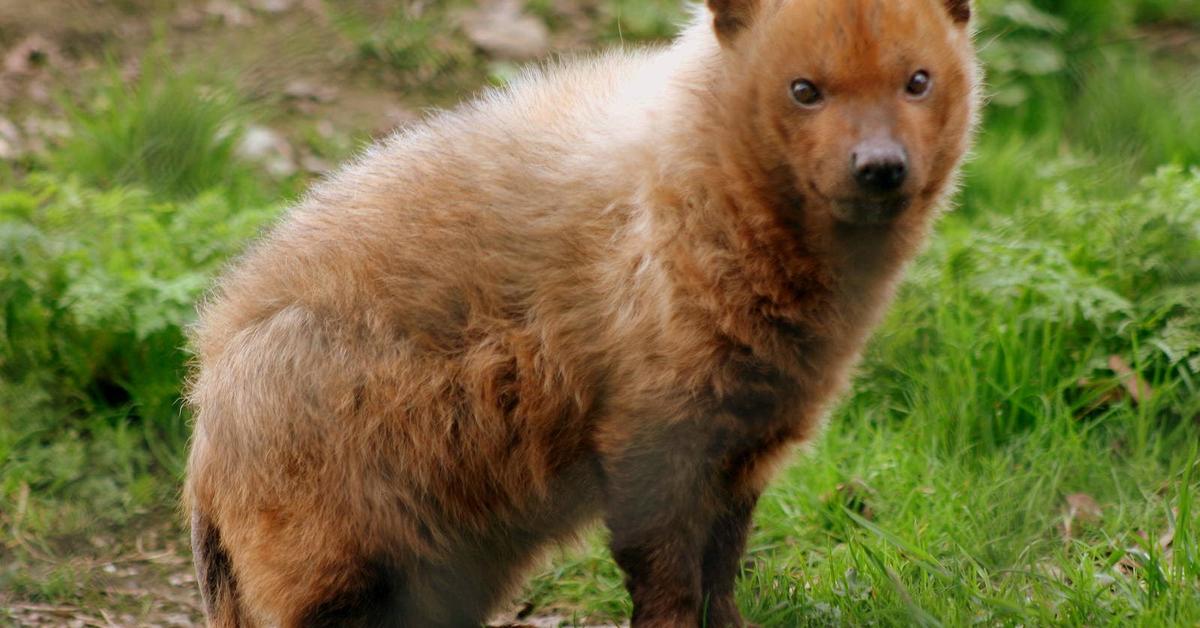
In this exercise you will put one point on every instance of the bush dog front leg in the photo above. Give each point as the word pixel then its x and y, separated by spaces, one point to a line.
pixel 662 497
pixel 723 556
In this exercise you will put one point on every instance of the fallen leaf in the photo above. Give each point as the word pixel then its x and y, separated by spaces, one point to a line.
pixel 1081 507
pixel 1137 387
pixel 1053 571
pixel 1100 394
pixel 854 495
pixel 1166 540
pixel 1133 560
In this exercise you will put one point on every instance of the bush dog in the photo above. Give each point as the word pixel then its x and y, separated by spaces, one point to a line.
pixel 619 288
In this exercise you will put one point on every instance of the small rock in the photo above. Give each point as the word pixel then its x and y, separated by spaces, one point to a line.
pixel 188 18
pixel 40 130
pixel 30 55
pixel 38 91
pixel 183 579
pixel 395 117
pixel 315 165
pixel 40 134
pixel 272 6
pixel 229 13
pixel 325 129
pixel 269 148
pixel 11 146
pixel 502 30
pixel 301 89
pixel 1052 571
pixel 532 621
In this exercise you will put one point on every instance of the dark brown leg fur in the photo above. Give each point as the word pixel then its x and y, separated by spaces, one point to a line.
pixel 218 590
pixel 372 599
pixel 455 593
pixel 723 559
pixel 663 494
pixel 679 508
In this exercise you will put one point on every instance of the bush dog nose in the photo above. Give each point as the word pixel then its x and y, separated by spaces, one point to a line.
pixel 880 166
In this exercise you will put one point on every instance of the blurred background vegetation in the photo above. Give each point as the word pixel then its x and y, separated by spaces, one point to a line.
pixel 1020 448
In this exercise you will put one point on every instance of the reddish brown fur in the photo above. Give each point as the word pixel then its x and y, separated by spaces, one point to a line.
pixel 623 288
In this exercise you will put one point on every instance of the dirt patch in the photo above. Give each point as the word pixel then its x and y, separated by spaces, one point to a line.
pixel 142 578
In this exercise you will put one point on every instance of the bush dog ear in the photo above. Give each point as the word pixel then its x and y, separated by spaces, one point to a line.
pixel 730 17
pixel 960 10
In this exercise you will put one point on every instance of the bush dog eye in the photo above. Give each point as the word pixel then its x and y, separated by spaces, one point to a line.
pixel 806 94
pixel 920 84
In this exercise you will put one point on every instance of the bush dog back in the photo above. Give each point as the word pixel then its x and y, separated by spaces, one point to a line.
pixel 620 288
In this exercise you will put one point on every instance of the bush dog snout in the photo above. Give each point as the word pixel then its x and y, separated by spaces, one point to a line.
pixel 880 166
pixel 619 289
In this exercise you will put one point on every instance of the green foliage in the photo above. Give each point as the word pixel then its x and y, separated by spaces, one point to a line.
pixel 1073 96
pixel 167 132
pixel 1074 92
pixel 96 288
pixel 636 20
pixel 1039 297
pixel 1134 111
pixel 1027 41
pixel 1181 11
pixel 1022 48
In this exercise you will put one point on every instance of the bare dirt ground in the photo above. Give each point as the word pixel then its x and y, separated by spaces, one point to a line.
pixel 133 578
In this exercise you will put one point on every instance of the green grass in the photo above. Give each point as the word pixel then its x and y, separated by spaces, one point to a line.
pixel 412 44
pixel 938 493
pixel 1131 111
pixel 168 131
pixel 637 20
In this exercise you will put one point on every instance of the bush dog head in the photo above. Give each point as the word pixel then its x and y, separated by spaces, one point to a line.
pixel 861 100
